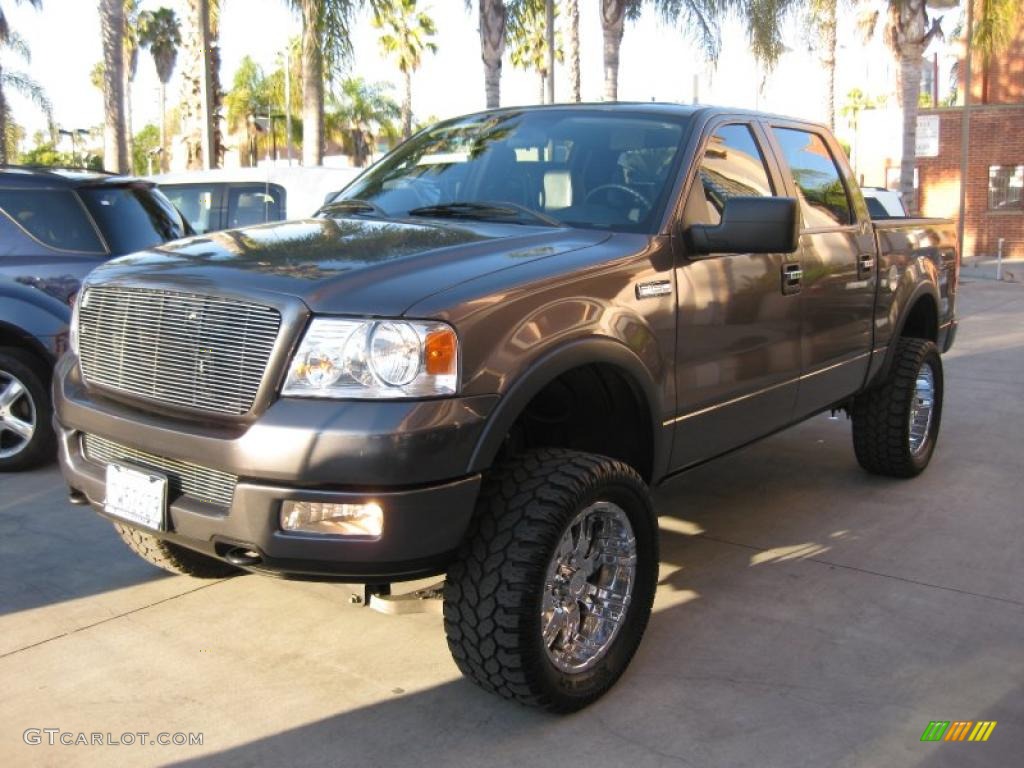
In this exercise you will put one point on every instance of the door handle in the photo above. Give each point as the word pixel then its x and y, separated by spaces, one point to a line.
pixel 865 264
pixel 792 276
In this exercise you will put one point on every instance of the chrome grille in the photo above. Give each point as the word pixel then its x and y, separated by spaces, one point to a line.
pixel 183 477
pixel 182 349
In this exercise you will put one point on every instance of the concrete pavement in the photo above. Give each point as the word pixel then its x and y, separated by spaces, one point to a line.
pixel 808 615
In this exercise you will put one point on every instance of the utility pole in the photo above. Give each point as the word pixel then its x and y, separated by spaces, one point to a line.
pixel 965 128
pixel 288 99
pixel 549 30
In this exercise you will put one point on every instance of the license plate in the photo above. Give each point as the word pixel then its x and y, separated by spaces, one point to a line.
pixel 137 496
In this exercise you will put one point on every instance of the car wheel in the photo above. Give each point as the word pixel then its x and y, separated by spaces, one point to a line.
pixel 171 557
pixel 896 424
pixel 26 437
pixel 552 589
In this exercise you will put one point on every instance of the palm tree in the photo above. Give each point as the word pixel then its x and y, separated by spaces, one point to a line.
pixel 201 84
pixel 527 31
pixel 613 25
pixel 325 41
pixel 572 15
pixel 131 66
pixel 160 32
pixel 360 113
pixel 406 34
pixel 908 31
pixel 19 80
pixel 115 148
pixel 23 83
pixel 493 29
pixel 821 27
pixel 248 98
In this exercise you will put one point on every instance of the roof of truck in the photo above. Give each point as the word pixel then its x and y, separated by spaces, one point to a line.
pixel 65 178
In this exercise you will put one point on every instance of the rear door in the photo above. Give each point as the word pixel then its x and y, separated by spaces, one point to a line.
pixel 837 260
pixel 738 341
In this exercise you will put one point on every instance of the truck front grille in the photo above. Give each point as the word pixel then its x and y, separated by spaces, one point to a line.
pixel 183 477
pixel 183 349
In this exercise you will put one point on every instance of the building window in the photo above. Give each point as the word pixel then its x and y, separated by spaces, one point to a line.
pixel 1005 184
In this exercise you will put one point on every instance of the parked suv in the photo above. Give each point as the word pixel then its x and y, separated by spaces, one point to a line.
pixel 484 352
pixel 56 226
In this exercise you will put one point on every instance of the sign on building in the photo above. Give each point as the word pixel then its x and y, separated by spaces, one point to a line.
pixel 927 136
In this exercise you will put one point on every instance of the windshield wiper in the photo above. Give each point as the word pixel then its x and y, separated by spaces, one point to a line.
pixel 354 205
pixel 484 210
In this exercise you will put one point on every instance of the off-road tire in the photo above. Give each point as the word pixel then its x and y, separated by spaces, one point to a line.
pixel 493 593
pixel 30 371
pixel 172 557
pixel 881 415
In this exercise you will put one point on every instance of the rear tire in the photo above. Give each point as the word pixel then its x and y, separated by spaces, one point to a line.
pixel 896 424
pixel 552 589
pixel 172 557
pixel 26 434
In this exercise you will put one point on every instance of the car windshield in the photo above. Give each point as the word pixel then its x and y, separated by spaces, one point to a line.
pixel 132 218
pixel 551 167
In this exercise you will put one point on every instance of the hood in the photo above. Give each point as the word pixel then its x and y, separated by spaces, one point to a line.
pixel 345 265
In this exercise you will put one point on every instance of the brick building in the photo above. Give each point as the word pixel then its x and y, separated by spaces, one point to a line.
pixel 994 206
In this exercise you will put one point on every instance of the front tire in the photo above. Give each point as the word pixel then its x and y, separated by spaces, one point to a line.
pixel 552 589
pixel 172 557
pixel 896 424
pixel 26 437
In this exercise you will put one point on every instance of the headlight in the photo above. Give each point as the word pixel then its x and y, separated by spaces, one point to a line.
pixel 374 359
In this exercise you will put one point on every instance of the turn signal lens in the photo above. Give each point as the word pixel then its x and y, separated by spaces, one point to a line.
pixel 441 353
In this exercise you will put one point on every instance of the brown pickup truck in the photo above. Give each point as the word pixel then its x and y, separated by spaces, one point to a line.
pixel 481 355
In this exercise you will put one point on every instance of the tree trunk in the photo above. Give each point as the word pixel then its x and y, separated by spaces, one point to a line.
pixel 573 19
pixel 492 45
pixel 540 85
pixel 828 30
pixel 407 107
pixel 613 22
pixel 129 138
pixel 163 127
pixel 115 155
pixel 911 59
pixel 3 123
pixel 312 85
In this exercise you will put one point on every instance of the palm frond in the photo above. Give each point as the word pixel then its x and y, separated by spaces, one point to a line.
pixel 23 83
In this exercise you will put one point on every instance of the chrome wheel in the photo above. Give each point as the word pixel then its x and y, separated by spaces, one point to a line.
pixel 17 415
pixel 588 587
pixel 921 408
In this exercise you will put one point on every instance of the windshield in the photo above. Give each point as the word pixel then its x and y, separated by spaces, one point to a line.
pixel 573 167
pixel 132 218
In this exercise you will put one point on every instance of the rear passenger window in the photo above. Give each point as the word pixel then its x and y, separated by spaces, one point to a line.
pixel 732 166
pixel 255 205
pixel 823 197
pixel 54 217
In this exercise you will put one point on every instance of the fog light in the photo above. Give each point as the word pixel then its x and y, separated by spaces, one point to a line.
pixel 333 519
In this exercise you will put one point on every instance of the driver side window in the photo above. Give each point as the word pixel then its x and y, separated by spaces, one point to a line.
pixel 733 166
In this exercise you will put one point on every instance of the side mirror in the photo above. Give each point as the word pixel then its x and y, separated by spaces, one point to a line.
pixel 749 225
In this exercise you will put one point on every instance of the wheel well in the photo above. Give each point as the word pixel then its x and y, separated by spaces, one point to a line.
pixel 24 347
pixel 594 408
pixel 923 320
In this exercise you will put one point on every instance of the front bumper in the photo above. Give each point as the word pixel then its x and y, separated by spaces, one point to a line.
pixel 409 457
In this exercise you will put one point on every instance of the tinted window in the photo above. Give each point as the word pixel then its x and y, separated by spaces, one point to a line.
pixel 132 218
pixel 255 205
pixel 875 208
pixel 823 195
pixel 196 203
pixel 732 166
pixel 585 168
pixel 52 216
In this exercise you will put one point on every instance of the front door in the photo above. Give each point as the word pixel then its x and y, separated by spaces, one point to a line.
pixel 738 343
